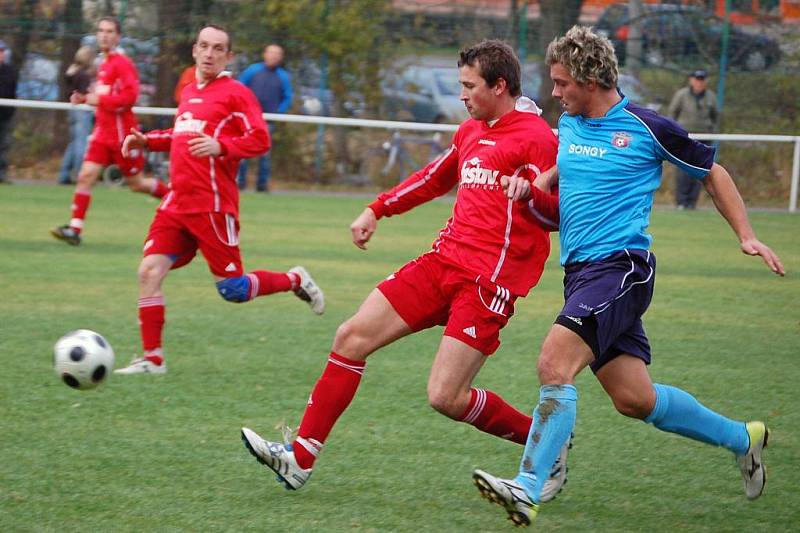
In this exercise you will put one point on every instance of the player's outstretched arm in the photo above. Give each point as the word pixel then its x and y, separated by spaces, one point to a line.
pixel 363 227
pixel 729 203
pixel 135 139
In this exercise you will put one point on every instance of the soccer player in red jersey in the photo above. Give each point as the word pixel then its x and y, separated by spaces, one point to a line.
pixel 115 91
pixel 218 123
pixel 491 251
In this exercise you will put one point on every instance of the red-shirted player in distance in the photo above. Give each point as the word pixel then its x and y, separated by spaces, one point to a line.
pixel 115 91
pixel 491 251
pixel 218 123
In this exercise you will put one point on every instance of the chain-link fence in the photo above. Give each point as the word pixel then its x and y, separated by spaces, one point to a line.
pixel 396 60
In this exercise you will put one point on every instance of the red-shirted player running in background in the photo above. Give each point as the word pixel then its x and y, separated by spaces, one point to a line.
pixel 218 123
pixel 115 91
pixel 491 251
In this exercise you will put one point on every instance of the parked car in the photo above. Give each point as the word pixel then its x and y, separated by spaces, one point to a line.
pixel 424 93
pixel 311 100
pixel 676 34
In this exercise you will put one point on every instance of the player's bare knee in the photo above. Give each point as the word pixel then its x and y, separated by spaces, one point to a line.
pixel 445 402
pixel 136 184
pixel 550 371
pixel 84 181
pixel 632 407
pixel 350 339
pixel 148 273
pixel 344 333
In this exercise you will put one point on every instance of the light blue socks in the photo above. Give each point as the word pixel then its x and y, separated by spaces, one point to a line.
pixel 679 412
pixel 553 420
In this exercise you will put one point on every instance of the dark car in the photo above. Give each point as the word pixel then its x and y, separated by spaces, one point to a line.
pixel 678 35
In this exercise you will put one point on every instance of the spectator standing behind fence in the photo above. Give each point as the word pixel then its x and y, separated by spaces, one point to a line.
pixel 78 79
pixel 273 89
pixel 695 108
pixel 8 89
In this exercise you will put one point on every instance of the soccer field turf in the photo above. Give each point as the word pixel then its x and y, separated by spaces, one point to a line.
pixel 163 452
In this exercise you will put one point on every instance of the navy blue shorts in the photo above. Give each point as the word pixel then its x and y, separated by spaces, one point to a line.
pixel 604 302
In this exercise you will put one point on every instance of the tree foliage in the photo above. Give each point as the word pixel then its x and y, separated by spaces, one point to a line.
pixel 349 35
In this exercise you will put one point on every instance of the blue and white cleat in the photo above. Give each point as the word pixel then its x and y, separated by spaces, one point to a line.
pixel 508 494
pixel 278 457
pixel 752 466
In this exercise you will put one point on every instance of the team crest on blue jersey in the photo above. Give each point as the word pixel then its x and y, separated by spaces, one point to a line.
pixel 621 139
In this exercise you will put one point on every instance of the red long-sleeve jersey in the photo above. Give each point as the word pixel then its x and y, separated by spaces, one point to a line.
pixel 501 240
pixel 228 111
pixel 117 88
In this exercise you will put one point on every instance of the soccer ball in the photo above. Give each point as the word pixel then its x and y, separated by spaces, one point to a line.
pixel 83 359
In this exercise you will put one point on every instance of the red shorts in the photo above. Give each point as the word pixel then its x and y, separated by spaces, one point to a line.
pixel 429 292
pixel 106 151
pixel 179 235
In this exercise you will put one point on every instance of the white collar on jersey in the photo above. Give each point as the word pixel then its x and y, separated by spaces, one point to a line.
pixel 222 74
pixel 523 105
pixel 526 105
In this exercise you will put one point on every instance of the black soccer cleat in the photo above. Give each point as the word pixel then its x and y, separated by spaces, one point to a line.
pixel 66 234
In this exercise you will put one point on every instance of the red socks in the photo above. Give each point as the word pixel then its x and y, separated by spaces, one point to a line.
pixel 151 323
pixel 331 395
pixel 80 204
pixel 263 282
pixel 159 190
pixel 491 414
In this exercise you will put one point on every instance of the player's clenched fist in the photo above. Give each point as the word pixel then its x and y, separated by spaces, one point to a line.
pixel 516 187
pixel 363 227
pixel 204 146
pixel 134 140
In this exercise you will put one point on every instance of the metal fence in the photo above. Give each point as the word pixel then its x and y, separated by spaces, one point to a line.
pixel 394 147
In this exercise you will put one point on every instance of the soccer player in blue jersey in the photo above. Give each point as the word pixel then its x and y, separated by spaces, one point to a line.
pixel 609 165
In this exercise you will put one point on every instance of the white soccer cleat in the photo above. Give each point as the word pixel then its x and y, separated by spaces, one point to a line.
pixel 309 291
pixel 558 475
pixel 278 457
pixel 753 470
pixel 509 494
pixel 143 365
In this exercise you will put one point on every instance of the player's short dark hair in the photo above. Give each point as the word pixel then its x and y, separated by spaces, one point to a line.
pixel 496 59
pixel 223 29
pixel 112 20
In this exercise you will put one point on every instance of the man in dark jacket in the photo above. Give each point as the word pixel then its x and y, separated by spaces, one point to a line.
pixel 8 89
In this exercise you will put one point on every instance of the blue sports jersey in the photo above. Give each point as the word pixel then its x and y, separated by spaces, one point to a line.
pixel 609 167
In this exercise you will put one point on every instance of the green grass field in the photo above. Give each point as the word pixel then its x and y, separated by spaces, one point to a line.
pixel 163 453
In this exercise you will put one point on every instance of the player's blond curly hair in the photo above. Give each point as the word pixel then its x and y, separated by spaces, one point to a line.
pixel 586 55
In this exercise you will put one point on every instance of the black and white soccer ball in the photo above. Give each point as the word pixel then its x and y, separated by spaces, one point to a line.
pixel 83 359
